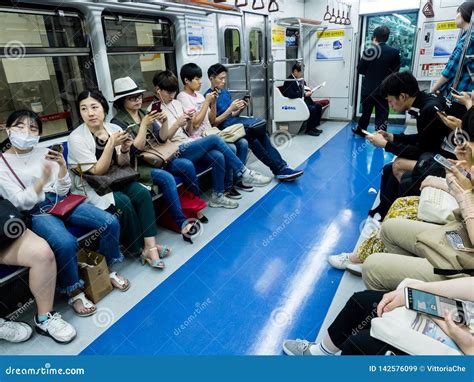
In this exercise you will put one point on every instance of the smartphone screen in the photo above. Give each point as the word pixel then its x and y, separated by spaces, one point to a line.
pixel 454 91
pixel 434 305
pixel 443 161
pixel 57 147
pixel 366 132
pixel 156 106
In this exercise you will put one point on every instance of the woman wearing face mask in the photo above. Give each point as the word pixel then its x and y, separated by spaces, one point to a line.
pixel 94 146
pixel 34 179
pixel 128 102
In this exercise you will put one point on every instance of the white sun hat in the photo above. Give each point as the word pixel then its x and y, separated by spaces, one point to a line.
pixel 125 86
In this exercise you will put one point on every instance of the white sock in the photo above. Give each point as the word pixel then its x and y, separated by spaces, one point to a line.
pixel 319 349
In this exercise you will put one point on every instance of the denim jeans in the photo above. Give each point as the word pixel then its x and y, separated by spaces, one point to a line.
pixel 64 244
pixel 263 149
pixel 165 181
pixel 185 169
pixel 213 151
pixel 241 149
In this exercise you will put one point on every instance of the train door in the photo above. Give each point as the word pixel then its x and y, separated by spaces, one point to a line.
pixel 256 58
pixel 232 54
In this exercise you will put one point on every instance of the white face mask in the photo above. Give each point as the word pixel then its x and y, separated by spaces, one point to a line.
pixel 23 141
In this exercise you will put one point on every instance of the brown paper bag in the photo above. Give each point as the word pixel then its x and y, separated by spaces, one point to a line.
pixel 95 273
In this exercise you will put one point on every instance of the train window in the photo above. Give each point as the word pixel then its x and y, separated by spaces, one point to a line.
pixel 256 46
pixel 232 46
pixel 138 48
pixel 44 64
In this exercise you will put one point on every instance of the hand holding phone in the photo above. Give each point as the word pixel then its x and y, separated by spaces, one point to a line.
pixel 440 111
pixel 449 166
pixel 57 147
pixel 434 305
pixel 156 106
pixel 454 91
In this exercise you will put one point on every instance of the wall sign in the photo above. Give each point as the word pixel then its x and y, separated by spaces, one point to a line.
pixel 201 35
pixel 330 45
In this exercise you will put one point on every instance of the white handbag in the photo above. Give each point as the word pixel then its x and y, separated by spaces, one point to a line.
pixel 436 206
pixel 230 134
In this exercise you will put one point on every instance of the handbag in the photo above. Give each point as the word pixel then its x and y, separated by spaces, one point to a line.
pixel 12 221
pixel 436 206
pixel 190 204
pixel 230 134
pixel 115 179
pixel 257 129
pixel 158 154
pixel 61 208
pixel 95 273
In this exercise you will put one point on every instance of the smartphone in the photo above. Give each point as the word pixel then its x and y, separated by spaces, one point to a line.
pixel 449 166
pixel 441 111
pixel 454 91
pixel 190 112
pixel 156 106
pixel 434 305
pixel 217 90
pixel 366 132
pixel 57 147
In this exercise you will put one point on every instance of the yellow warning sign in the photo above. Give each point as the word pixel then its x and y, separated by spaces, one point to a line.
pixel 331 34
pixel 445 25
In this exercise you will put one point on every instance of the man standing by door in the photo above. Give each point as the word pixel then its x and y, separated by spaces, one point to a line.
pixel 377 63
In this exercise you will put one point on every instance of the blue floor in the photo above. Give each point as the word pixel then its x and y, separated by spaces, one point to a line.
pixel 265 277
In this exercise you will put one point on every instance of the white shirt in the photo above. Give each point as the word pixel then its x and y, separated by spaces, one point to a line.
pixel 196 102
pixel 29 168
pixel 174 110
pixel 81 150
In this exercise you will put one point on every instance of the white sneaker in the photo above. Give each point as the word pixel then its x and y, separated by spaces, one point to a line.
pixel 339 261
pixel 56 328
pixel 217 201
pixel 254 179
pixel 355 269
pixel 13 331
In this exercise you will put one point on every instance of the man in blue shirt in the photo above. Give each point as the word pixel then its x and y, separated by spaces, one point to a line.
pixel 228 113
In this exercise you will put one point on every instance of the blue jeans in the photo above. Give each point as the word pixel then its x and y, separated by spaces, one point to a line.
pixel 213 151
pixel 64 244
pixel 262 146
pixel 165 181
pixel 185 169
pixel 241 149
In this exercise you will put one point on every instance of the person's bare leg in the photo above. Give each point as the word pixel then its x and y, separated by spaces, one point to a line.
pixel 401 166
pixel 33 252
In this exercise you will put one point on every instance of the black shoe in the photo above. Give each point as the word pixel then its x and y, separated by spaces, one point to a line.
pixel 314 132
pixel 358 131
pixel 233 194
pixel 193 231
pixel 243 187
pixel 203 219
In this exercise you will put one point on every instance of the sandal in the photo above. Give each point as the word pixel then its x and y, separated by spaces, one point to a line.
pixel 160 264
pixel 123 284
pixel 85 303
pixel 165 251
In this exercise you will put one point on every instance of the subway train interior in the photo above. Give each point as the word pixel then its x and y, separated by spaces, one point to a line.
pixel 275 256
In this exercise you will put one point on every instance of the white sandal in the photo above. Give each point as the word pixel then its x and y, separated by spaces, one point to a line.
pixel 85 302
pixel 113 276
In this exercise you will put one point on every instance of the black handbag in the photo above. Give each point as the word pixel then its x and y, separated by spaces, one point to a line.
pixel 256 130
pixel 13 223
pixel 114 180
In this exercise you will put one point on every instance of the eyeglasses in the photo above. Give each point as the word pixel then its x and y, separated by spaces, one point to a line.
pixel 135 97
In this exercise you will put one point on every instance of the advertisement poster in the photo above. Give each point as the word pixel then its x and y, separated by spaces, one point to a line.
pixel 278 37
pixel 445 37
pixel 201 35
pixel 330 45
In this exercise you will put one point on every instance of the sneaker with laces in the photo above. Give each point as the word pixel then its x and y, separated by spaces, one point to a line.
pixel 233 194
pixel 15 331
pixel 339 261
pixel 217 201
pixel 288 174
pixel 240 186
pixel 56 328
pixel 297 347
pixel 255 179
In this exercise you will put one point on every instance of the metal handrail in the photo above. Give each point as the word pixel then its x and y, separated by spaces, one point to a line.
pixel 285 60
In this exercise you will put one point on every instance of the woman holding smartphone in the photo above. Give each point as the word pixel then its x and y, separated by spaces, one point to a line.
pixel 128 102
pixel 94 147
pixel 34 179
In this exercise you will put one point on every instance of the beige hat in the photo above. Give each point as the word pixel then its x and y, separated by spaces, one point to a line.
pixel 125 86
